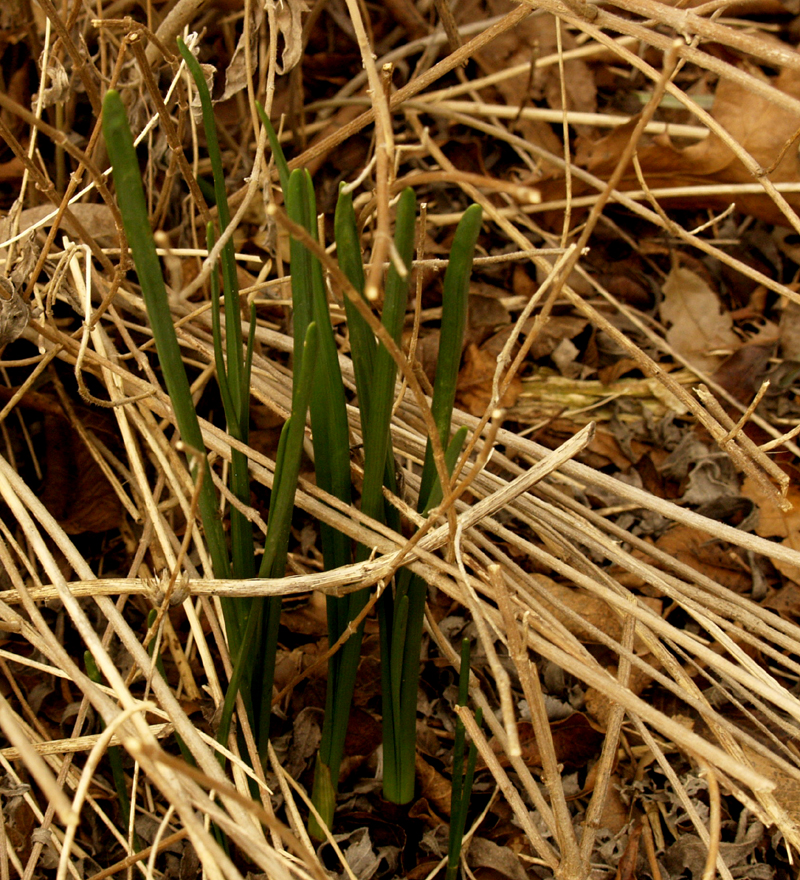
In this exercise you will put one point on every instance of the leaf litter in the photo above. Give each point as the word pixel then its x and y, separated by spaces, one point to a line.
pixel 653 583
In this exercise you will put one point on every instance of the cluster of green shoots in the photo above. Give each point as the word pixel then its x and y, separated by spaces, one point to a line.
pixel 318 391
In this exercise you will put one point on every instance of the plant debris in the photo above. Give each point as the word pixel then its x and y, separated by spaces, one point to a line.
pixel 622 545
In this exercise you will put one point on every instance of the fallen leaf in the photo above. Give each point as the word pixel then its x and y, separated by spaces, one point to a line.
pixel 75 490
pixel 475 382
pixel 530 39
pixel 565 356
pixel 20 821
pixel 606 444
pixel 360 854
pixel 600 705
pixel 591 610
pixel 363 733
pixel 790 331
pixel 490 861
pixel 776 523
pixel 626 870
pixel 306 736
pixel 289 20
pixel 786 601
pixel 236 74
pixel 14 312
pixel 743 372
pixel 554 330
pixel 57 88
pixel 690 853
pixel 575 740
pixel 309 618
pixel 761 127
pixel 787 787
pixel 11 170
pixel 436 789
pixel 96 219
pixel 615 813
pixel 705 554
pixel 699 323
pixel 423 811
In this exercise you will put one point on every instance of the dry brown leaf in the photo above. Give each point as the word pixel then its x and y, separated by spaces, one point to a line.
pixel 555 330
pixel 776 523
pixel 75 489
pixel 626 870
pixel 96 219
pixel 743 372
pixel 761 127
pixel 699 324
pixel 236 72
pixel 575 740
pixel 599 705
pixel 534 38
pixel 790 331
pixel 475 382
pixel 689 854
pixel 707 555
pixel 615 813
pixel 491 861
pixel 15 313
pixel 309 618
pixel 592 609
pixel 786 601
pixel 435 788
pixel 11 170
pixel 605 444
pixel 787 788
pixel 20 823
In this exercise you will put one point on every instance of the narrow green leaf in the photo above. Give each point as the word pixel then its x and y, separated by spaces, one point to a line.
pixel 216 332
pixel 462 780
pixel 362 341
pixel 450 459
pixel 332 458
pixel 261 620
pixel 287 463
pixel 277 151
pixel 455 299
pixel 399 740
pixel 376 457
pixel 133 207
pixel 376 431
pixel 229 274
pixel 185 752
pixel 114 758
pixel 242 542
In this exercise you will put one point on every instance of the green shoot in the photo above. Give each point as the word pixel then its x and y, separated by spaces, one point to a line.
pixel 261 631
pixel 318 387
pixel 132 205
pixel 402 621
pixel 462 779
pixel 114 759
pixel 328 424
pixel 185 752
pixel 252 626
pixel 233 368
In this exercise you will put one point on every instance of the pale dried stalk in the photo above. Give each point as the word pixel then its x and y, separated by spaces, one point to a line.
pixel 680 790
pixel 561 520
pixel 163 692
pixel 574 860
pixel 515 802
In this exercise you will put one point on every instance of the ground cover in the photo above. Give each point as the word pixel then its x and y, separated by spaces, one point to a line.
pixel 619 539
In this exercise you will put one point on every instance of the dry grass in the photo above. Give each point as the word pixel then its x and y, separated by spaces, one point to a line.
pixel 525 514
